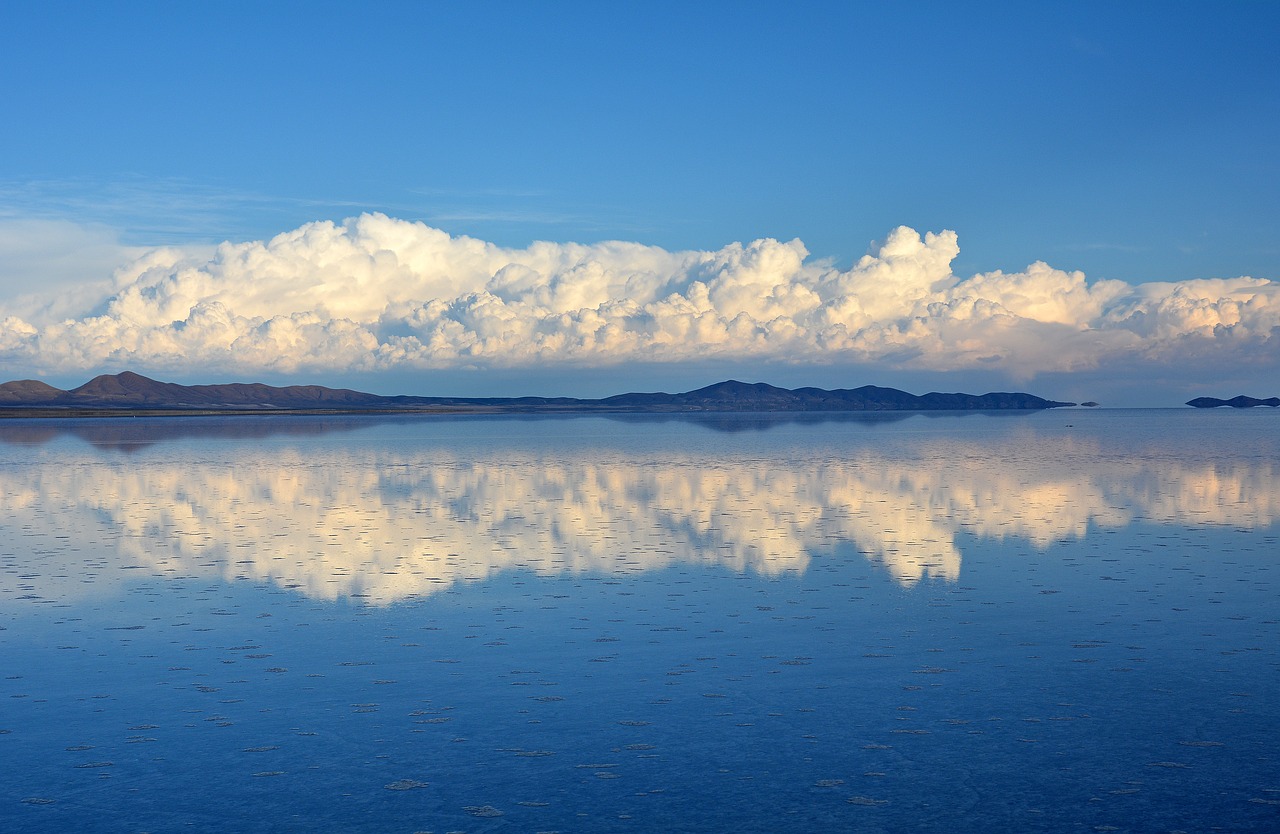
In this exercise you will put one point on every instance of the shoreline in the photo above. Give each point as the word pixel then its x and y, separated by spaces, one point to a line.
pixel 20 412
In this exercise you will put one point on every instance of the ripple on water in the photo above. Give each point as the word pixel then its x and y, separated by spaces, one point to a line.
pixel 866 801
pixel 404 785
pixel 483 811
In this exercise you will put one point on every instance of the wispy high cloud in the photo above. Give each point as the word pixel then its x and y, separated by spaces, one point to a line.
pixel 376 293
pixel 170 210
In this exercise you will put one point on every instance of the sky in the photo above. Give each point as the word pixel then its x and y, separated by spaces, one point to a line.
pixel 1074 199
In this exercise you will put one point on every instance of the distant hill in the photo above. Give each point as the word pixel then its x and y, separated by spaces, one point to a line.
pixel 133 392
pixel 1234 402
pixel 130 390
pixel 732 395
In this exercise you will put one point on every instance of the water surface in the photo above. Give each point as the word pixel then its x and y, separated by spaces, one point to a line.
pixel 1053 621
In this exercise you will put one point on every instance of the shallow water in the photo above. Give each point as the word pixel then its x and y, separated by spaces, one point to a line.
pixel 1056 621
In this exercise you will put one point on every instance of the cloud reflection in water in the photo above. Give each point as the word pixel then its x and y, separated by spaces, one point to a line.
pixel 387 522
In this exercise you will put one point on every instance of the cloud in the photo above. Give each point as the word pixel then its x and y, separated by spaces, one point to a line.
pixel 47 266
pixel 374 293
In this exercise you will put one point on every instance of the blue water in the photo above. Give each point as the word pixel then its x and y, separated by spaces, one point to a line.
pixel 1059 621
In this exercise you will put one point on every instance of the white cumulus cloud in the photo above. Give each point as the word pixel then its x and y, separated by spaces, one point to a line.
pixel 374 293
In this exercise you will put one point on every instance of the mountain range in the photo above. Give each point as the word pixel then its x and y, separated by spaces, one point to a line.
pixel 134 392
pixel 1235 402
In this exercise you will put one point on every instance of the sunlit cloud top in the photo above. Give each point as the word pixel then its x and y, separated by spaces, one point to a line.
pixel 374 293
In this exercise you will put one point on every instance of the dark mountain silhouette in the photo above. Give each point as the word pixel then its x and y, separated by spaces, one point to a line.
pixel 732 395
pixel 130 389
pixel 133 392
pixel 1235 402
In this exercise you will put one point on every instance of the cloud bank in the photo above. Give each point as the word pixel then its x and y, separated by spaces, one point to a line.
pixel 374 293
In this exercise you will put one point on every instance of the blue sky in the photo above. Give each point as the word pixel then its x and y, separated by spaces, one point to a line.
pixel 1133 142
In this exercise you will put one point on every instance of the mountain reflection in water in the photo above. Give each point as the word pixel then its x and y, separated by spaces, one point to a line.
pixel 389 521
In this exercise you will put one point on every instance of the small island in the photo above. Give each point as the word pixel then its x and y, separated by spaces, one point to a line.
pixel 130 393
pixel 1235 402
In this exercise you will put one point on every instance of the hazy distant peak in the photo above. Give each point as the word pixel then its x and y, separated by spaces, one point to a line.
pixel 1235 402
